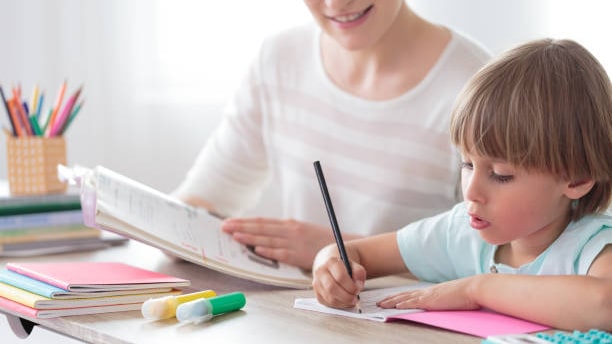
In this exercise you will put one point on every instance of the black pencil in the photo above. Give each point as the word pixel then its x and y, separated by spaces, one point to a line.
pixel 332 219
pixel 8 112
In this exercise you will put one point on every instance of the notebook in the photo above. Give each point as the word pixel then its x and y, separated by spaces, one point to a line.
pixel 482 323
pixel 96 276
pixel 20 309
pixel 40 302
pixel 118 204
pixel 53 292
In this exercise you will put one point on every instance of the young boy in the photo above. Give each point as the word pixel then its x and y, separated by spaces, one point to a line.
pixel 534 128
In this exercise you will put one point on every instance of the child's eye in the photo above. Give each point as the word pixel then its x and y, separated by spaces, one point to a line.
pixel 501 178
pixel 467 165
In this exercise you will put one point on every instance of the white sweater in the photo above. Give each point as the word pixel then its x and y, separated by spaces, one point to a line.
pixel 386 163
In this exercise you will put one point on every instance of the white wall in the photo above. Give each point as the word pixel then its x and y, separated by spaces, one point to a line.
pixel 156 73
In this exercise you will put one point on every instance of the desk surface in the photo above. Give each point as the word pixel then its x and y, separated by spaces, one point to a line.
pixel 268 317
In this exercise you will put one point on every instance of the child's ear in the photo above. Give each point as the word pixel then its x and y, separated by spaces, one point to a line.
pixel 577 189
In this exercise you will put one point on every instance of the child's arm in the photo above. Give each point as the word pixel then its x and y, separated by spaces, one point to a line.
pixel 565 302
pixel 379 255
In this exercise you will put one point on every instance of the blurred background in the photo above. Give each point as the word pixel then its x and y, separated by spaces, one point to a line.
pixel 157 73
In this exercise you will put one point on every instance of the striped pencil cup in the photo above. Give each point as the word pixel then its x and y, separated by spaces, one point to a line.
pixel 32 164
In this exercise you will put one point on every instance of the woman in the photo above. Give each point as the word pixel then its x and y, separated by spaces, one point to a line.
pixel 368 92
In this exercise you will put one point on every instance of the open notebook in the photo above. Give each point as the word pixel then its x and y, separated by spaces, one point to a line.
pixel 113 202
pixel 480 323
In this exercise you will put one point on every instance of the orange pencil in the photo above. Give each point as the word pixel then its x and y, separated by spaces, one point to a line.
pixel 12 112
pixel 20 112
pixel 63 116
pixel 56 108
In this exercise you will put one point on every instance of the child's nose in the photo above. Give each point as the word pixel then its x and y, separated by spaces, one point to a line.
pixel 472 188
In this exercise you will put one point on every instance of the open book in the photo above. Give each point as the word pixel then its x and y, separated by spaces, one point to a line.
pixel 482 323
pixel 113 202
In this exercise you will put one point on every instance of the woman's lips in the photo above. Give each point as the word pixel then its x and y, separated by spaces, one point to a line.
pixel 352 19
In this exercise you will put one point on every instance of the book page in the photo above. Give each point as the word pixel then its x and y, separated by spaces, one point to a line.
pixel 154 216
pixel 368 300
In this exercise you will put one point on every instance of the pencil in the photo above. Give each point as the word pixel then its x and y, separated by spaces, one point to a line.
pixel 62 116
pixel 19 121
pixel 56 108
pixel 75 112
pixel 8 112
pixel 332 219
pixel 20 113
pixel 34 100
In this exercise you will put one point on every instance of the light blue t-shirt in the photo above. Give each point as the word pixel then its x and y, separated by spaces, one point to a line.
pixel 445 247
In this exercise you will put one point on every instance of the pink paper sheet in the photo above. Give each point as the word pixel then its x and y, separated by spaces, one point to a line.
pixel 478 323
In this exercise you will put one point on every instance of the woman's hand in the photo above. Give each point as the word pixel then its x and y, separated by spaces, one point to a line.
pixel 287 241
pixel 451 295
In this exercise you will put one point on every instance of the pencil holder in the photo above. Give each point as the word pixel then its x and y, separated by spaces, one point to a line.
pixel 32 164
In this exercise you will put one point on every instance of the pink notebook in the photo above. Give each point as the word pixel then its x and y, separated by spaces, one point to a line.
pixel 22 310
pixel 480 323
pixel 96 276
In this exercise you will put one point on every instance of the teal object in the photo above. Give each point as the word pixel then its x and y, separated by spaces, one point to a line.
pixel 593 336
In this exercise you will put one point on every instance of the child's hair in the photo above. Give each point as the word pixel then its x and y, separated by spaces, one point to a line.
pixel 545 106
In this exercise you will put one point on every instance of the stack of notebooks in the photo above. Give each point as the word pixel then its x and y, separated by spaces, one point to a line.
pixel 54 289
pixel 46 224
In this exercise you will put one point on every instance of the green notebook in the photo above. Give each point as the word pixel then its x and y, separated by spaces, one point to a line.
pixel 17 205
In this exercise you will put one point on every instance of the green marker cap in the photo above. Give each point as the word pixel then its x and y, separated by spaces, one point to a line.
pixel 204 309
pixel 227 303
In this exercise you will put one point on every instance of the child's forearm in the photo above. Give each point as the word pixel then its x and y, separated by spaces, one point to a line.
pixel 378 254
pixel 564 302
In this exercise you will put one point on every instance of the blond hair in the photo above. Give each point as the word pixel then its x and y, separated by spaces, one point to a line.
pixel 544 106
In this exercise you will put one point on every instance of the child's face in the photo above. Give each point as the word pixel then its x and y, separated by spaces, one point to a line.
pixel 507 203
pixel 356 24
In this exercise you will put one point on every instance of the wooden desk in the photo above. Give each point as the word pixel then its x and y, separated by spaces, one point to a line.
pixel 268 317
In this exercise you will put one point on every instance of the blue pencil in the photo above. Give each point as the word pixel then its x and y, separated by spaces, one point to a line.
pixel 39 106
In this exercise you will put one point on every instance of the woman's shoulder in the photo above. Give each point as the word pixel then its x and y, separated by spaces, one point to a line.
pixel 469 48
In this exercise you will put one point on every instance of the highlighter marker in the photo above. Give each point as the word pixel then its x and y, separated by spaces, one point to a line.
pixel 201 310
pixel 165 307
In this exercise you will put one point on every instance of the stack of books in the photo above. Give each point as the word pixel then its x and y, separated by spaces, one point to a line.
pixel 54 289
pixel 46 224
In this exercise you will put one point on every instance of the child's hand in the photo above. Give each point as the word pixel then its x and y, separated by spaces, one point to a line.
pixel 451 295
pixel 332 285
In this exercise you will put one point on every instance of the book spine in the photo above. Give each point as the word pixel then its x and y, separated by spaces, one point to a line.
pixel 13 209
pixel 18 308
pixel 41 219
pixel 29 284
pixel 27 204
pixel 19 295
pixel 48 234
pixel 35 275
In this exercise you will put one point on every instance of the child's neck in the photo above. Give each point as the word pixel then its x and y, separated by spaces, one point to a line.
pixel 525 250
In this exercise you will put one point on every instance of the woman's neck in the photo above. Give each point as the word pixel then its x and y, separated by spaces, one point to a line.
pixel 393 65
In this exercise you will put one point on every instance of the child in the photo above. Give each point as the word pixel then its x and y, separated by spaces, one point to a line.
pixel 534 128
